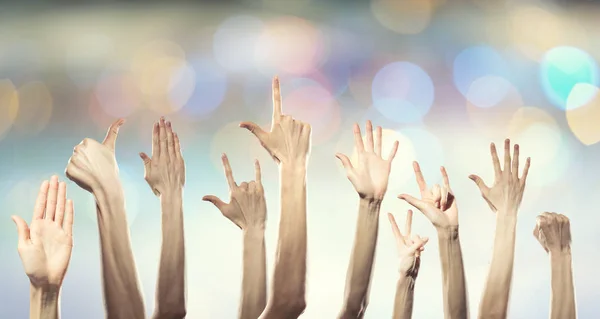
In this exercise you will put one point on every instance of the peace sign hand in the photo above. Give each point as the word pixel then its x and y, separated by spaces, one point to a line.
pixel 437 203
pixel 247 207
pixel 409 248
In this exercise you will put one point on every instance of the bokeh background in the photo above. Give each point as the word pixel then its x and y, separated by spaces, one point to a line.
pixel 445 78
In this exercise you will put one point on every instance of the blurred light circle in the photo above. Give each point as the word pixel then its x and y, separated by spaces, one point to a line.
pixel 402 92
pixel 488 91
pixel 564 67
pixel 403 16
pixel 540 138
pixel 117 94
pixel 583 113
pixel 182 84
pixel 289 44
pixel 9 106
pixel 234 38
pixel 35 108
pixel 316 106
pixel 428 152
pixel 86 56
pixel 493 120
pixel 474 63
pixel 535 30
pixel 209 89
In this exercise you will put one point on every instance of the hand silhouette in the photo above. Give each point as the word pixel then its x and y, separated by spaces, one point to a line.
pixel 45 245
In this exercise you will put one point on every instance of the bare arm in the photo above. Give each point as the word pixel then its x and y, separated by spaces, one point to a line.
pixel 453 273
pixel 43 302
pixel 563 294
pixel 254 278
pixel 404 300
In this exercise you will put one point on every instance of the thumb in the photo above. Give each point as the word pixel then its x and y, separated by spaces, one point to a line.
pixel 215 200
pixel 22 228
pixel 111 136
pixel 416 203
pixel 418 243
pixel 146 159
pixel 345 160
pixel 482 187
pixel 256 130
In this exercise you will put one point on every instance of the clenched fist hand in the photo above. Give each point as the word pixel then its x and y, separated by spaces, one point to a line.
pixel 371 174
pixel 409 247
pixel 247 207
pixel 93 163
pixel 507 192
pixel 45 245
pixel 288 142
pixel 165 171
pixel 553 231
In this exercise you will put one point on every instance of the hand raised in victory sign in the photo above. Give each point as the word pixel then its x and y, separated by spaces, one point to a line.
pixel 247 207
pixel 438 203
pixel 289 139
pixel 507 192
pixel 409 247
pixel 93 164
pixel 165 171
pixel 45 245
pixel 371 174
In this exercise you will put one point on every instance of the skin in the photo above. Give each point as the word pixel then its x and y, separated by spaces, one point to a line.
pixel 247 209
pixel 288 142
pixel 165 174
pixel 370 180
pixel 553 232
pixel 409 253
pixel 45 247
pixel 94 168
pixel 504 198
pixel 439 206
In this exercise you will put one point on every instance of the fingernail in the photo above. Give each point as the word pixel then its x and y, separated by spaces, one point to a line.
pixel 168 123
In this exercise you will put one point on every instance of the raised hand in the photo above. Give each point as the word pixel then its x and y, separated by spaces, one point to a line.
pixel 371 174
pixel 289 139
pixel 437 203
pixel 409 247
pixel 165 171
pixel 93 163
pixel 506 193
pixel 247 207
pixel 553 231
pixel 45 245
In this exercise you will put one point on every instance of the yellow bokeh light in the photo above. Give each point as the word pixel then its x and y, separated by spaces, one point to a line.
pixel 35 108
pixel 583 113
pixel 403 16
pixel 9 105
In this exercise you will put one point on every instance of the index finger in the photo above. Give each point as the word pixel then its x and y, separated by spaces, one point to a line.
pixel 40 203
pixel 155 147
pixel 395 228
pixel 228 172
pixel 276 100
pixel 257 171
pixel 445 178
pixel 408 225
pixel 419 175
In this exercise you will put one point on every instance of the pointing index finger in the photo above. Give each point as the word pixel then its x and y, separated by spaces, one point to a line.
pixel 228 172
pixel 257 171
pixel 408 225
pixel 395 228
pixel 276 100
pixel 419 175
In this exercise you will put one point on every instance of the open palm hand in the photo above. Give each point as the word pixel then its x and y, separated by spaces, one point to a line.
pixel 45 245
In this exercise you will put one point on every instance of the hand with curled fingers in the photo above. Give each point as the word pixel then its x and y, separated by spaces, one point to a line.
pixel 93 164
pixel 506 193
pixel 553 231
pixel 45 245
pixel 247 207
pixel 165 171
pixel 371 174
pixel 409 247
pixel 437 203
pixel 288 141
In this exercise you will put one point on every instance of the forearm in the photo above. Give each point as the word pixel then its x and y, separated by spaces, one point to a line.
pixel 254 278
pixel 361 261
pixel 121 291
pixel 287 297
pixel 453 275
pixel 403 303
pixel 170 290
pixel 563 294
pixel 494 302
pixel 43 302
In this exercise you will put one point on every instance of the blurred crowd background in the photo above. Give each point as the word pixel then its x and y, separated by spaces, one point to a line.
pixel 445 78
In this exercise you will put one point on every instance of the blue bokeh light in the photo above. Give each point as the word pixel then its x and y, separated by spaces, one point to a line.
pixel 475 62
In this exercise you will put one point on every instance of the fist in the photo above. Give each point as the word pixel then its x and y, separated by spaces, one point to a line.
pixel 553 231
pixel 92 162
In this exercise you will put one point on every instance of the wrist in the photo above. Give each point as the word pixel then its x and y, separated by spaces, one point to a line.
pixel 44 293
pixel 371 206
pixel 293 167
pixel 173 194
pixel 560 254
pixel 447 232
pixel 254 230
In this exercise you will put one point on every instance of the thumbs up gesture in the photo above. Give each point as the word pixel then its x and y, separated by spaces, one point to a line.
pixel 92 163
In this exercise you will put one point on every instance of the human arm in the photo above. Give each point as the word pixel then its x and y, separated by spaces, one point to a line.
pixel 45 248
pixel 288 143
pixel 93 167
pixel 504 198
pixel 247 209
pixel 439 206
pixel 165 174
pixel 370 179
pixel 553 231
